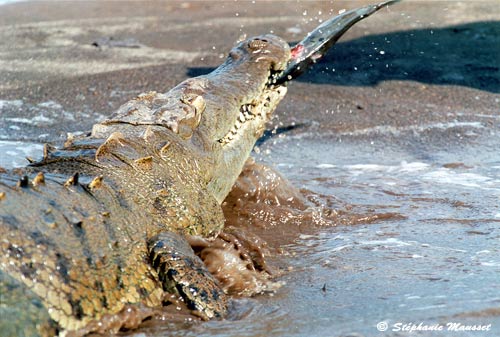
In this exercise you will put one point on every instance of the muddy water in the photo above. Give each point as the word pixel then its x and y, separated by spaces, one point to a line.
pixel 431 262
pixel 431 257
pixel 439 264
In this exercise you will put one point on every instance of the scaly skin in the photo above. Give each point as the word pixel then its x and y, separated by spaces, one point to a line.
pixel 94 233
pixel 99 224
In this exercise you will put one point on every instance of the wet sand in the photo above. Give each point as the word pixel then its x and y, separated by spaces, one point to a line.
pixel 418 83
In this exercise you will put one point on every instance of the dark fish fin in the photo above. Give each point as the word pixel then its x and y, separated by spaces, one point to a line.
pixel 317 42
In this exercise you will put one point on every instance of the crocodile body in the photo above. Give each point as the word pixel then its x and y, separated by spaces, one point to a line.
pixel 99 224
pixel 97 229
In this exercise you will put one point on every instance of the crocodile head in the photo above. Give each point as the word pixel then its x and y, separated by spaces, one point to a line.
pixel 222 114
pixel 239 102
pixel 219 116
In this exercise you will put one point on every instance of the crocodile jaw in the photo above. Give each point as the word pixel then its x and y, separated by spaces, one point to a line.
pixel 220 115
pixel 237 144
pixel 249 103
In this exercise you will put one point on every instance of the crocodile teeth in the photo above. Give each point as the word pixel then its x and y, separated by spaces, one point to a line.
pixel 246 114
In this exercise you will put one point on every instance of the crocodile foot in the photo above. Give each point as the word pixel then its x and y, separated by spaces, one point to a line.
pixel 183 273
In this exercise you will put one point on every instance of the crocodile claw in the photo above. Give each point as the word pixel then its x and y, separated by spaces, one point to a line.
pixel 182 272
pixel 317 42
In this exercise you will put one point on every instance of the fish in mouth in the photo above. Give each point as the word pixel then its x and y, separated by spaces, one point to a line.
pixel 97 228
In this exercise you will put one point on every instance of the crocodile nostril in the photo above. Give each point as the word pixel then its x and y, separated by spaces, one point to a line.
pixel 257 44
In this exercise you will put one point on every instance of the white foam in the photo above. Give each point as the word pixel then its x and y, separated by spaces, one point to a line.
pixel 40 119
pixel 10 103
pixel 413 167
pixel 429 307
pixel 367 167
pixel 50 105
pixel 325 166
pixel 487 116
pixel 414 297
pixel 483 252
pixel 387 242
pixel 339 248
pixel 402 167
pixel 396 131
pixel 285 165
pixel 447 176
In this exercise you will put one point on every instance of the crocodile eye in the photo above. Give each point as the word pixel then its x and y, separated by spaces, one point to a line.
pixel 257 44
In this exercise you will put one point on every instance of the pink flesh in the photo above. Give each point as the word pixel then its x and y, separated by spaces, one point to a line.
pixel 297 50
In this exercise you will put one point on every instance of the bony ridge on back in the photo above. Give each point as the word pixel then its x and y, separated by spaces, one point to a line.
pixel 92 236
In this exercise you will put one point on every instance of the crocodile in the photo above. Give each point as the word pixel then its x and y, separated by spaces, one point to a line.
pixel 96 229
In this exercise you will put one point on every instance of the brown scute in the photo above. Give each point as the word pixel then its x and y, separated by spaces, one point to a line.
pixel 47 150
pixel 96 182
pixel 39 179
pixel 73 180
pixel 114 140
pixel 145 163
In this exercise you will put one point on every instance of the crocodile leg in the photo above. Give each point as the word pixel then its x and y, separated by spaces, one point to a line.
pixel 182 272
